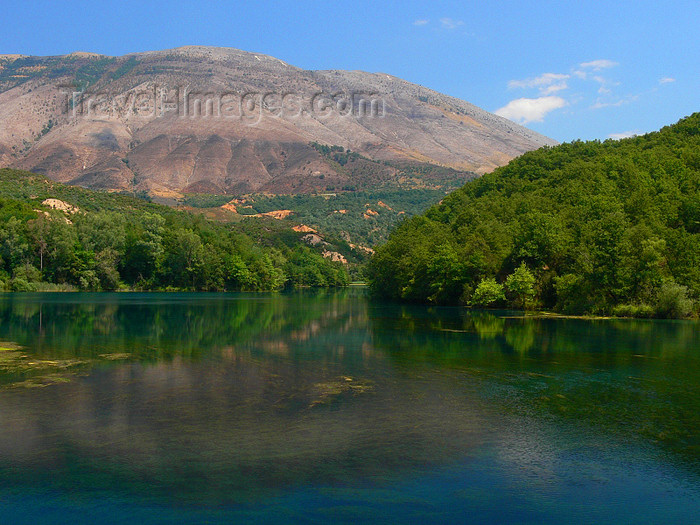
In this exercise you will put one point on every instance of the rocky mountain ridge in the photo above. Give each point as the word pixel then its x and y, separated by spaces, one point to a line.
pixel 217 120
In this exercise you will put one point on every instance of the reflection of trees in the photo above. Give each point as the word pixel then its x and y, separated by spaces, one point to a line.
pixel 521 336
pixel 221 422
pixel 487 325
pixel 155 326
pixel 631 376
pixel 249 392
pixel 460 333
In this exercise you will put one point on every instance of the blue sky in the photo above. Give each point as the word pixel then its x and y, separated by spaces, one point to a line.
pixel 568 70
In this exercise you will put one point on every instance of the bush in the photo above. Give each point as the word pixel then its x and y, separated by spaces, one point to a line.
pixel 25 278
pixel 88 281
pixel 53 287
pixel 27 272
pixel 634 310
pixel 487 292
pixel 22 285
pixel 672 301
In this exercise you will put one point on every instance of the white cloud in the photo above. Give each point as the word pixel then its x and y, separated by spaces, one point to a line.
pixel 666 80
pixel 554 88
pixel 421 22
pixel 544 82
pixel 605 84
pixel 585 85
pixel 599 104
pixel 526 110
pixel 597 65
pixel 624 134
pixel 451 23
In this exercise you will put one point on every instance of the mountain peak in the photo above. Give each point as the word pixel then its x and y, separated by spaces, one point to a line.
pixel 226 120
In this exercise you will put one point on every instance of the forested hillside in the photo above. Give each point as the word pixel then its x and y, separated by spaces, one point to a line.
pixel 345 215
pixel 582 228
pixel 54 236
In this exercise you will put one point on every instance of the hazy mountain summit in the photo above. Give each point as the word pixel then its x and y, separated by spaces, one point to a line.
pixel 220 120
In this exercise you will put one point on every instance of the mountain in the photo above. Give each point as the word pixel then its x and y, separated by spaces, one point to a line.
pixel 583 228
pixel 217 120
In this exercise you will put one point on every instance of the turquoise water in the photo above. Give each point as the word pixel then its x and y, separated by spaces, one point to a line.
pixel 316 408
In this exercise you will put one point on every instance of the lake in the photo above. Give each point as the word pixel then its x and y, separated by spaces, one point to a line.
pixel 329 407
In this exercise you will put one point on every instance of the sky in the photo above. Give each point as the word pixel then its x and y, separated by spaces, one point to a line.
pixel 569 70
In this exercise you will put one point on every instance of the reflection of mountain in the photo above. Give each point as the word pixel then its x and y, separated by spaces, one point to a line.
pixel 286 391
pixel 220 430
pixel 230 396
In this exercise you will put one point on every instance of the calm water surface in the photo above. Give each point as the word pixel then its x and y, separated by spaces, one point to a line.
pixel 316 408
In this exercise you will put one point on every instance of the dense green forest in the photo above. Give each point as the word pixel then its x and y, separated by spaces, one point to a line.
pixel 593 227
pixel 104 241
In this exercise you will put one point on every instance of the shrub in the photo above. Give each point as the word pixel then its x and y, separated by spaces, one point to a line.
pixel 672 301
pixel 487 292
pixel 22 285
pixel 633 310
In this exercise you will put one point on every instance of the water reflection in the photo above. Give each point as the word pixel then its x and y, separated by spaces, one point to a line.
pixel 636 378
pixel 221 397
pixel 225 397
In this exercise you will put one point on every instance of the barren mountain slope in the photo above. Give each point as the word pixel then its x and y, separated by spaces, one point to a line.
pixel 219 120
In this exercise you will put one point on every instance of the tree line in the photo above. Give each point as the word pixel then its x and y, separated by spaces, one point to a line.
pixel 591 227
pixel 115 242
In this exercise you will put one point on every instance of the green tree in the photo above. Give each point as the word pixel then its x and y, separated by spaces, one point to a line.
pixel 143 249
pixel 600 225
pixel 487 292
pixel 268 276
pixel 106 264
pixel 100 230
pixel 38 230
pixel 446 274
pixel 14 248
pixel 521 286
pixel 60 260
pixel 672 301
pixel 25 278
pixel 210 272
pixel 183 259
